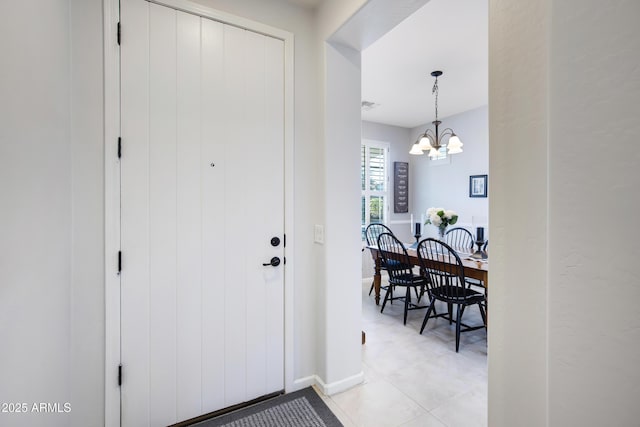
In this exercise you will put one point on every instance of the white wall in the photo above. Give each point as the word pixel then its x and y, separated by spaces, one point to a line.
pixel 564 325
pixel 332 14
pixel 593 97
pixel 87 214
pixel 446 184
pixel 340 85
pixel 35 176
pixel 517 336
pixel 51 220
pixel 342 301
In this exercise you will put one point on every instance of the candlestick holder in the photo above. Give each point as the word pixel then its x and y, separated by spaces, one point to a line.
pixel 415 245
pixel 479 253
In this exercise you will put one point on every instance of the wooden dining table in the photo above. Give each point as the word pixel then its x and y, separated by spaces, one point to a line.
pixel 472 269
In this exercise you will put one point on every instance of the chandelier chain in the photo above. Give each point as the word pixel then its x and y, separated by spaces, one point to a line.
pixel 435 90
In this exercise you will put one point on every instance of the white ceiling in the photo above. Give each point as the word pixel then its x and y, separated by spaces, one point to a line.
pixel 447 35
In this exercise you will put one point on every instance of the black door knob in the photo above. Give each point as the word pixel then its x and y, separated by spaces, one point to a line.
pixel 275 261
pixel 275 241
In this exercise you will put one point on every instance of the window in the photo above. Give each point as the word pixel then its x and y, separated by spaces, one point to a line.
pixel 375 181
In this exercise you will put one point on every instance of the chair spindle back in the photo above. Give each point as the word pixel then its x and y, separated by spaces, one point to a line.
pixel 459 238
pixel 444 269
pixel 395 257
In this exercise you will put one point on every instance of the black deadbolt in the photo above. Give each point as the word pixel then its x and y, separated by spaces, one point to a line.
pixel 275 241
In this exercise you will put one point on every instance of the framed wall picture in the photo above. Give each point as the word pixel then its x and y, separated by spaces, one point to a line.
pixel 478 186
pixel 400 187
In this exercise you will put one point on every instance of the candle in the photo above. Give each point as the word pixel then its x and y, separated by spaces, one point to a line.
pixel 411 223
pixel 417 228
pixel 480 234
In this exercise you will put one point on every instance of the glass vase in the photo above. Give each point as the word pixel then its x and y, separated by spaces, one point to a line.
pixel 441 232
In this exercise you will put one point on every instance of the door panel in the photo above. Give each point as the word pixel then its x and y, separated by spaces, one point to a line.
pixel 234 272
pixel 163 240
pixel 213 147
pixel 188 217
pixel 135 230
pixel 202 196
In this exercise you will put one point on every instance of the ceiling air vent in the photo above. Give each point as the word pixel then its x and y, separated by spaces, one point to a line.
pixel 368 105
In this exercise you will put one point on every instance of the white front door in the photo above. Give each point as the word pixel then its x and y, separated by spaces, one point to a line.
pixel 202 183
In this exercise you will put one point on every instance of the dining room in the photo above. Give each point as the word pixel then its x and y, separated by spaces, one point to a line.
pixel 441 97
pixel 399 104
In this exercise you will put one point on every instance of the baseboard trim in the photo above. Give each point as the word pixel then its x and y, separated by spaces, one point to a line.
pixel 305 382
pixel 340 386
pixel 328 389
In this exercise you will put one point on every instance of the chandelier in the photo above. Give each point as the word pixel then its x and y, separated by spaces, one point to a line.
pixel 433 141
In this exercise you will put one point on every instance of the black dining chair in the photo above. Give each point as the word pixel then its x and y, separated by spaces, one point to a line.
pixel 371 234
pixel 446 283
pixel 459 238
pixel 400 270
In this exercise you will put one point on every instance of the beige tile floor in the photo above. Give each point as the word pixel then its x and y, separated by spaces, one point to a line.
pixel 416 380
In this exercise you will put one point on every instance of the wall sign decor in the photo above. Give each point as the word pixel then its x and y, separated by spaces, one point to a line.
pixel 400 187
pixel 478 186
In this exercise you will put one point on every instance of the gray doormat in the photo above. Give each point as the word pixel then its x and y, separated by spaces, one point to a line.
pixel 303 408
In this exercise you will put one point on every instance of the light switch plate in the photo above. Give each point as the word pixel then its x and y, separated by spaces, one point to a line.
pixel 318 233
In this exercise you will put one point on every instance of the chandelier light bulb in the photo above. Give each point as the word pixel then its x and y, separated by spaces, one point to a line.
pixel 416 150
pixel 454 141
pixel 425 143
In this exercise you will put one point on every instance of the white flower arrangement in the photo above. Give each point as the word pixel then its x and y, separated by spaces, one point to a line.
pixel 441 218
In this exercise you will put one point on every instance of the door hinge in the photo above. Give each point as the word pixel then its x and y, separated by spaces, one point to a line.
pixel 119 375
pixel 118 32
pixel 119 261
pixel 119 147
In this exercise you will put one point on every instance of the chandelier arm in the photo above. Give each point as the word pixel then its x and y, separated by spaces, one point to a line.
pixel 436 138
pixel 447 131
pixel 429 134
pixel 433 141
